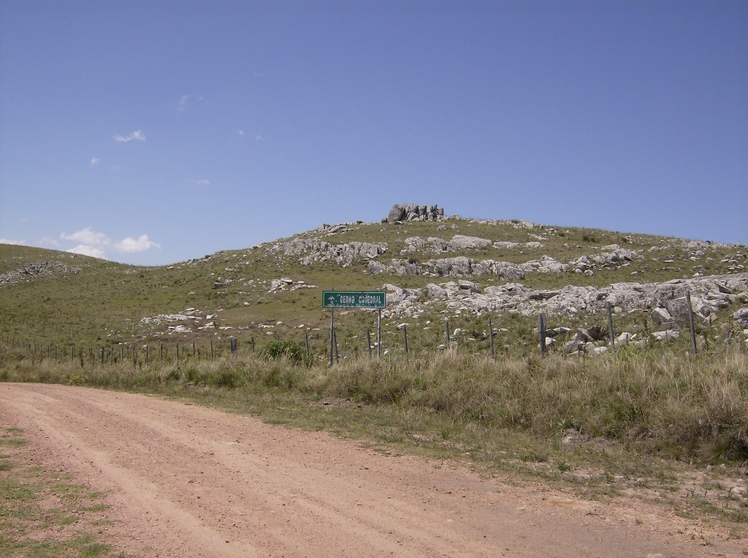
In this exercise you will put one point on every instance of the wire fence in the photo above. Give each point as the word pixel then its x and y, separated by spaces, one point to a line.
pixel 477 336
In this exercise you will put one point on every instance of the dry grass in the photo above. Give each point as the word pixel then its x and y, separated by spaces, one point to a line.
pixel 657 422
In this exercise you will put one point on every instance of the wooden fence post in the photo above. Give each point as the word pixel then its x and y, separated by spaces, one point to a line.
pixel 610 327
pixel 490 335
pixel 690 321
pixel 541 333
pixel 405 339
pixel 335 344
pixel 379 333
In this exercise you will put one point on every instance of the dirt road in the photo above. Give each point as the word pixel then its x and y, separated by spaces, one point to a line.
pixel 189 481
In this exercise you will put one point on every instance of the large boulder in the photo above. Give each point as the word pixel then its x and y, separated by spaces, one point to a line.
pixel 397 213
pixel 462 242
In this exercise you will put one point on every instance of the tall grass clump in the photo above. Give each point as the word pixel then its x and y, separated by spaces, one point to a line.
pixel 656 400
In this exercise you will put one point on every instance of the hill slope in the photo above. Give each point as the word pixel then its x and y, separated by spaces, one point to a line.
pixel 449 270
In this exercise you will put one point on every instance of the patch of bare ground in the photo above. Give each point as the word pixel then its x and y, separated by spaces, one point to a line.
pixel 184 480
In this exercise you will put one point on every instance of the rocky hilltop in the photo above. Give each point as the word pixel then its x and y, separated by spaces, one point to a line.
pixel 457 277
pixel 434 267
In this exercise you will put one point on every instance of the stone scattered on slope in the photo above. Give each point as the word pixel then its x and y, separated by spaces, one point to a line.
pixel 707 297
pixel 741 316
pixel 462 266
pixel 314 250
pixel 36 270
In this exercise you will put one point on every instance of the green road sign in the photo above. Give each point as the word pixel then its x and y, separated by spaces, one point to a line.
pixel 354 299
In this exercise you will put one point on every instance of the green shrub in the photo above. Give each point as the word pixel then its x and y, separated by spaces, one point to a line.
pixel 225 378
pixel 280 377
pixel 193 375
pixel 282 349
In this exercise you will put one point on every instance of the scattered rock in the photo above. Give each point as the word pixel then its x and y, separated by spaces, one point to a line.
pixel 741 316
pixel 317 250
pixel 661 316
pixel 36 270
pixel 666 335
pixel 515 297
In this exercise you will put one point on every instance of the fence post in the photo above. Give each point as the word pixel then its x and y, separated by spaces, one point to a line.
pixel 541 333
pixel 379 333
pixel 306 344
pixel 490 335
pixel 610 327
pixel 332 333
pixel 368 341
pixel 690 320
pixel 405 339
pixel 448 341
pixel 211 350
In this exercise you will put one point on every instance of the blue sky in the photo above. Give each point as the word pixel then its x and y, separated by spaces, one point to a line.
pixel 154 132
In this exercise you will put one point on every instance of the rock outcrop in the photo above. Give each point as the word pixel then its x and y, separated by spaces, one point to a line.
pixel 707 296
pixel 413 212
pixel 315 250
pixel 36 270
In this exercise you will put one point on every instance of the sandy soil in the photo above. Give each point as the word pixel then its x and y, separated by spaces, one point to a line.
pixel 188 481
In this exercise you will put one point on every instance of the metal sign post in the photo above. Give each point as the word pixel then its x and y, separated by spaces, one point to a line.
pixel 354 299
pixel 332 333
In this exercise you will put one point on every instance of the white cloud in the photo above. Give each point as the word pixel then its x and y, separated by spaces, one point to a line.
pixel 16 242
pixel 182 102
pixel 201 182
pixel 136 135
pixel 88 251
pixel 241 132
pixel 131 245
pixel 49 241
pixel 88 236
pixel 94 161
pixel 258 137
pixel 98 245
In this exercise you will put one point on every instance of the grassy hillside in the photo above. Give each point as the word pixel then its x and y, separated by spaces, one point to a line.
pixel 56 298
pixel 648 419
